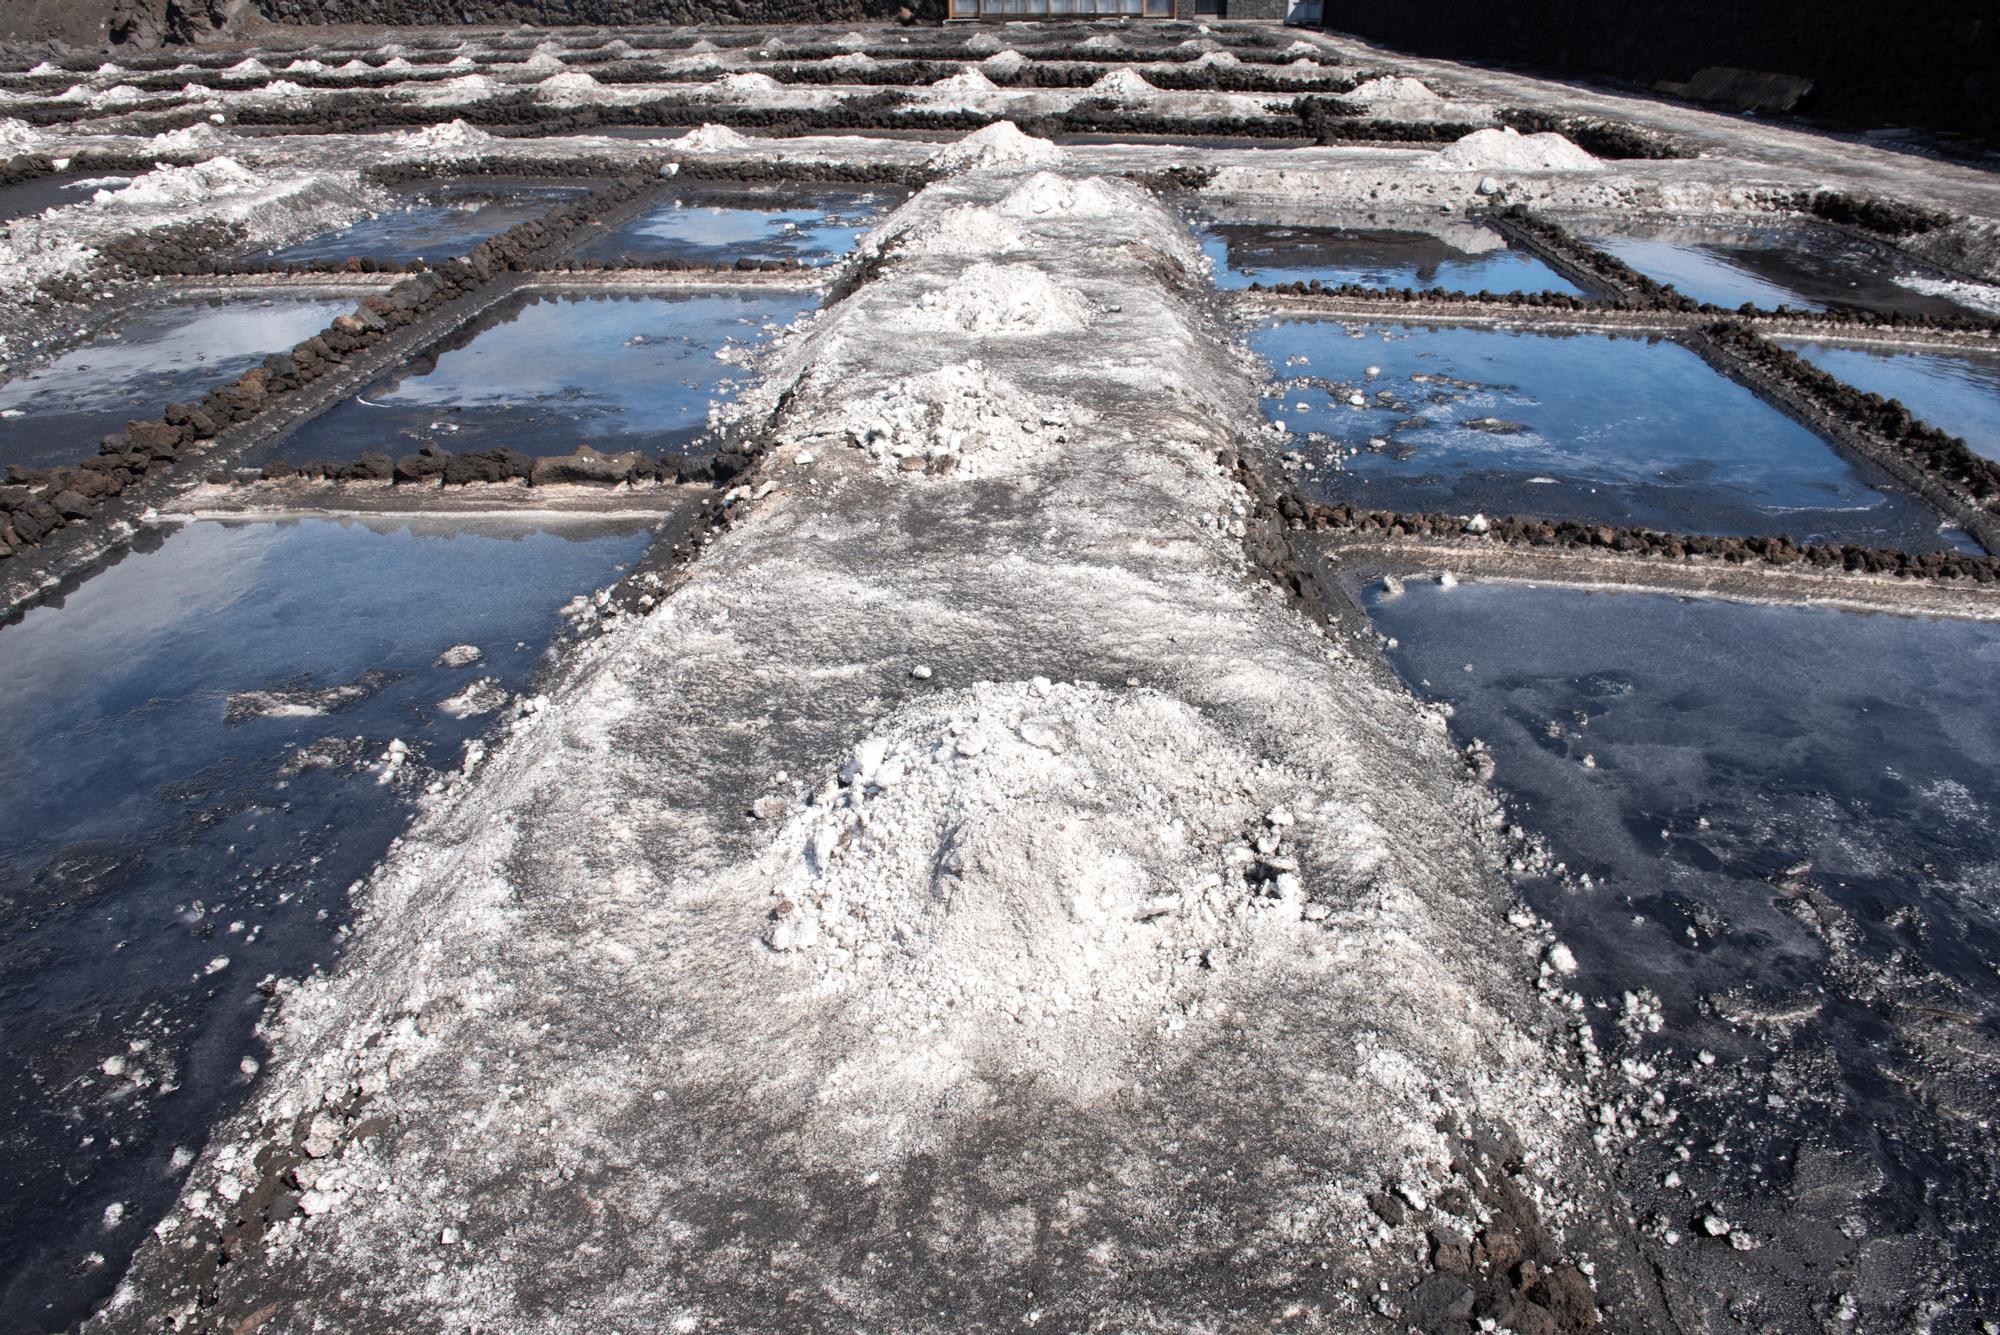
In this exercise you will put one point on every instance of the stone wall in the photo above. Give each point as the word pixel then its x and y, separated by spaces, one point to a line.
pixel 1929 63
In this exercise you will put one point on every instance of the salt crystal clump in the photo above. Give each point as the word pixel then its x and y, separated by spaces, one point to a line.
pixel 1391 89
pixel 963 229
pixel 44 69
pixel 541 63
pixel 961 420
pixel 1508 149
pixel 1215 60
pixel 169 186
pixel 306 66
pixel 853 60
pixel 452 136
pixel 1000 144
pixel 1047 193
pixel 1124 86
pixel 1104 41
pixel 982 41
pixel 1300 48
pixel 121 95
pixel 1002 299
pixel 710 138
pixel 852 41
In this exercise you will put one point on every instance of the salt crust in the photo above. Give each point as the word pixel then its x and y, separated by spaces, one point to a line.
pixel 1001 144
pixel 188 139
pixel 451 137
pixel 1507 149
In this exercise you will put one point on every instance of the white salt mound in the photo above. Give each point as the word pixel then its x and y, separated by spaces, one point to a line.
pixel 982 41
pixel 1005 63
pixel 1509 150
pixel 250 68
pixel 711 138
pixel 573 87
pixel 1000 144
pixel 853 60
pixel 1002 300
pixel 967 83
pixel 1393 88
pixel 1124 86
pixel 745 86
pixel 18 135
pixel 199 138
pixel 961 421
pixel 170 186
pixel 449 137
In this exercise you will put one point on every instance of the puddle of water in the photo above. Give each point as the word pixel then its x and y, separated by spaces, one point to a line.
pixel 25 199
pixel 1733 743
pixel 1954 391
pixel 545 374
pixel 1602 429
pixel 1466 258
pixel 1806 268
pixel 144 836
pixel 808 223
pixel 175 351
pixel 435 220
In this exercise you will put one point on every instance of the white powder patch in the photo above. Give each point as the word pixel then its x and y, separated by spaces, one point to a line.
pixel 1001 299
pixel 1507 149
pixel 482 696
pixel 1000 144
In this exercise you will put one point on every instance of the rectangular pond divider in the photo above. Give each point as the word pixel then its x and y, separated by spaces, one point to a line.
pixel 431 222
pixel 1957 390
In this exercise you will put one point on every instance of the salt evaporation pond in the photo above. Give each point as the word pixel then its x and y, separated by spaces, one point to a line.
pixel 1804 267
pixel 173 351
pixel 1789 822
pixel 158 819
pixel 1374 257
pixel 813 224
pixel 25 199
pixel 1598 428
pixel 544 374
pixel 1955 391
pixel 435 220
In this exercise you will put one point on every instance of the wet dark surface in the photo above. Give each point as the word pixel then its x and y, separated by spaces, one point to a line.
pixel 436 220
pixel 1374 256
pixel 1954 391
pixel 808 223
pixel 169 837
pixel 545 374
pixel 1602 429
pixel 1796 265
pixel 171 351
pixel 1781 831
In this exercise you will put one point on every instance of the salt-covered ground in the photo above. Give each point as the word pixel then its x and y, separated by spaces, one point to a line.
pixel 968 892
pixel 972 897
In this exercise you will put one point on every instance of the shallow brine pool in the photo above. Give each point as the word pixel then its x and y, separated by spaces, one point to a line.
pixel 808 223
pixel 1804 267
pixel 1598 428
pixel 1781 831
pixel 192 774
pixel 435 220
pixel 1463 257
pixel 1954 391
pixel 545 374
pixel 175 351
